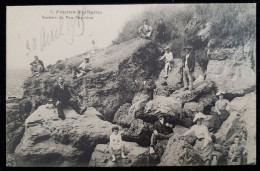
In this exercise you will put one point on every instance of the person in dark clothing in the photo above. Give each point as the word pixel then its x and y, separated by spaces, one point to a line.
pixel 148 88
pixel 162 130
pixel 37 66
pixel 161 28
pixel 62 97
pixel 188 67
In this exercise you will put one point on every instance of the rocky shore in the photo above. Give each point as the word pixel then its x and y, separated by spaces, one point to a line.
pixel 37 137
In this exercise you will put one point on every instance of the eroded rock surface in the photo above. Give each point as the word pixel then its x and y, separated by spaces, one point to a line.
pixel 136 156
pixel 241 122
pixel 50 141
pixel 123 117
pixel 179 153
pixel 109 85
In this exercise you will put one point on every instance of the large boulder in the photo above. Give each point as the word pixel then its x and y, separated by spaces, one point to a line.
pixel 202 104
pixel 200 89
pixel 136 156
pixel 167 106
pixel 50 141
pixel 139 132
pixel 123 117
pixel 179 153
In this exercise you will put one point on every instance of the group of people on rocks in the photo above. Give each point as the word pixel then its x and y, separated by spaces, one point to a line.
pixel 62 97
pixel 37 66
pixel 203 146
pixel 146 31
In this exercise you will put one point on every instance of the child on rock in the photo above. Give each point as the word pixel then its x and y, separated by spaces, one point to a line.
pixel 116 143
pixel 236 152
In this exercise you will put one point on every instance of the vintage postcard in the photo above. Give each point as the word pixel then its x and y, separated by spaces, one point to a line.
pixel 131 85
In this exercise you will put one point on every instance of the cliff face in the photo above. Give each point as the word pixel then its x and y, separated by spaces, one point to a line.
pixel 109 85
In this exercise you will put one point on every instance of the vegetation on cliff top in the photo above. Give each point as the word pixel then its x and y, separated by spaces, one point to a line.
pixel 232 24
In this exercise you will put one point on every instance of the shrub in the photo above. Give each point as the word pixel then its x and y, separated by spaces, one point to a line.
pixel 60 66
pixel 59 61
pixel 232 24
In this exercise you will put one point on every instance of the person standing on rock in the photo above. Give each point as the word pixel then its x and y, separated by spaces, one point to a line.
pixel 203 146
pixel 83 68
pixel 61 97
pixel 146 88
pixel 220 114
pixel 168 60
pixel 37 66
pixel 161 28
pixel 145 31
pixel 188 67
pixel 162 130
pixel 116 143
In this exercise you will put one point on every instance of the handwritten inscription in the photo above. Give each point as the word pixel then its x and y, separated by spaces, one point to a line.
pixel 67 28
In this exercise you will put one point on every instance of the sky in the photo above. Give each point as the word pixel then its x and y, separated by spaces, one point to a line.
pixel 39 30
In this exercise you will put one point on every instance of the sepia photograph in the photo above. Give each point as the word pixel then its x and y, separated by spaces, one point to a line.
pixel 131 85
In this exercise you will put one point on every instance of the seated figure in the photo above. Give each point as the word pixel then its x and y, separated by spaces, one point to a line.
pixel 61 97
pixel 83 68
pixel 220 114
pixel 162 130
pixel 145 31
pixel 116 143
pixel 203 146
pixel 37 66
pixel 236 152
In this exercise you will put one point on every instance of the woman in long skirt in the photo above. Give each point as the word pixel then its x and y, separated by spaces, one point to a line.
pixel 203 146
pixel 220 114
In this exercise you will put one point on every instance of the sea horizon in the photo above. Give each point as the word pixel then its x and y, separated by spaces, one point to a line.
pixel 14 81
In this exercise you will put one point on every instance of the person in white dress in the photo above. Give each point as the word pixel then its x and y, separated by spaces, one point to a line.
pixel 203 146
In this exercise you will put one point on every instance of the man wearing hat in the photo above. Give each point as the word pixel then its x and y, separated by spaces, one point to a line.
pixel 62 97
pixel 145 31
pixel 162 130
pixel 168 60
pixel 161 28
pixel 188 67
pixel 83 68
